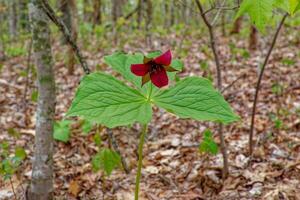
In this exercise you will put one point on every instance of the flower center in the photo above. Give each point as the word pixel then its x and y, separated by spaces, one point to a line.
pixel 154 67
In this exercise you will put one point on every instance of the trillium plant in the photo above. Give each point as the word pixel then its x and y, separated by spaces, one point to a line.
pixel 147 81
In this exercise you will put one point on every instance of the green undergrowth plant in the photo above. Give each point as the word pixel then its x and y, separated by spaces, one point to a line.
pixel 208 144
pixel 10 162
pixel 108 101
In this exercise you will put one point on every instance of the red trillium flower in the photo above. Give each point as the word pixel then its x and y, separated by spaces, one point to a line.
pixel 154 69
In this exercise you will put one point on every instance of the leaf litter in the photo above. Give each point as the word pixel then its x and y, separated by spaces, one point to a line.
pixel 173 167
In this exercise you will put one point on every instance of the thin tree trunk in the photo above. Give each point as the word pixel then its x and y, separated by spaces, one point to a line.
pixel 13 18
pixel 183 8
pixel 41 187
pixel 251 147
pixel 139 13
pixel 69 17
pixel 64 8
pixel 148 22
pixel 86 11
pixel 253 38
pixel 166 11
pixel 97 14
pixel 2 42
pixel 219 84
pixel 172 13
pixel 23 16
pixel 116 13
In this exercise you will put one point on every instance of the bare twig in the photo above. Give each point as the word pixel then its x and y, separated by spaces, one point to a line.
pixel 259 82
pixel 218 13
pixel 228 8
pixel 66 32
pixel 233 82
pixel 219 83
pixel 116 148
pixel 13 189
pixel 132 12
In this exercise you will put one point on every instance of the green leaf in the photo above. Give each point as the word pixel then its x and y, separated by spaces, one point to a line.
pixel 106 160
pixel 62 130
pixel 7 170
pixel 121 63
pixel 208 145
pixel 103 99
pixel 86 126
pixel 153 54
pixel 298 7
pixel 195 98
pixel 260 12
pixel 20 153
pixel 4 145
pixel 97 139
pixel 34 96
pixel 13 132
pixel 177 64
pixel 290 6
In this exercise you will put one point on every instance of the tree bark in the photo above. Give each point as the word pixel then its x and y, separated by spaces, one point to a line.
pixel 116 10
pixel 139 13
pixel 2 42
pixel 172 13
pixel 69 17
pixel 166 11
pixel 148 22
pixel 86 11
pixel 116 13
pixel 13 18
pixel 41 187
pixel 23 16
pixel 97 17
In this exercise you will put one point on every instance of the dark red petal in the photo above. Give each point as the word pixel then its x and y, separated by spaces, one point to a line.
pixel 140 69
pixel 159 77
pixel 164 59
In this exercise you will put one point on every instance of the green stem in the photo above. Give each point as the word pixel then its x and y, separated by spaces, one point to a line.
pixel 139 170
pixel 150 92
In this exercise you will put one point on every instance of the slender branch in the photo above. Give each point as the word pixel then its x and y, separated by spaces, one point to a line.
pixel 13 189
pixel 228 8
pixel 233 82
pixel 116 148
pixel 66 32
pixel 259 82
pixel 209 10
pixel 132 12
pixel 218 13
pixel 212 44
pixel 219 84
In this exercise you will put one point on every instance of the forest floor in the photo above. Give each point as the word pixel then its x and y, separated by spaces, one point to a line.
pixel 173 167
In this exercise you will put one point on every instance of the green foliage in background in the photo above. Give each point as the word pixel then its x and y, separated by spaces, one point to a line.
pixel 208 145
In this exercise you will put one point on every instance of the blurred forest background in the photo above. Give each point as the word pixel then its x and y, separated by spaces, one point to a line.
pixel 173 167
